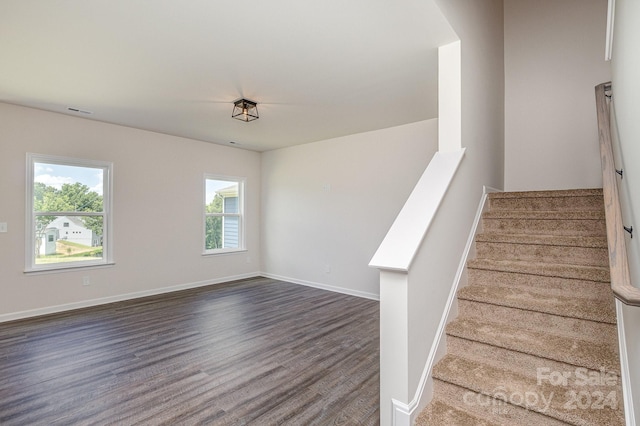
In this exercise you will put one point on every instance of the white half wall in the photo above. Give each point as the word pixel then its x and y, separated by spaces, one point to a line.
pixel 554 57
pixel 327 205
pixel 411 304
pixel 157 210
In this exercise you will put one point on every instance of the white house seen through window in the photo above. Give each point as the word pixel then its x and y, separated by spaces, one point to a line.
pixel 223 216
pixel 68 203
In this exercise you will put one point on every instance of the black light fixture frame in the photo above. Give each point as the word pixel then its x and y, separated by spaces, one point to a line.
pixel 245 110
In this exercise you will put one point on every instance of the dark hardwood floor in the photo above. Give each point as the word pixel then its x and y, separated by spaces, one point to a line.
pixel 256 351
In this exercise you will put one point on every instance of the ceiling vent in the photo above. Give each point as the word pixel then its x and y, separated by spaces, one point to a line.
pixel 79 111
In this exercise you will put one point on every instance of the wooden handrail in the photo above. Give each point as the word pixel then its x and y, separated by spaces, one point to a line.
pixel 618 261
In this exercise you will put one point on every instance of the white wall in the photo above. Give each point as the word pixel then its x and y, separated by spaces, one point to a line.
pixel 479 25
pixel 158 201
pixel 554 57
pixel 625 66
pixel 327 205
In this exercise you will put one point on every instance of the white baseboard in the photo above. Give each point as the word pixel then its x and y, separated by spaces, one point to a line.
pixel 627 397
pixel 119 298
pixel 335 289
pixel 401 413
pixel 405 414
pixel 13 316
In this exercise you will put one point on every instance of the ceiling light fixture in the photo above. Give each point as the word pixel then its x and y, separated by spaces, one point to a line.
pixel 245 110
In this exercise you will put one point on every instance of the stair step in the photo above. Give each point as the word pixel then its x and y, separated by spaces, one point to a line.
pixel 544 269
pixel 538 307
pixel 544 248
pixel 585 215
pixel 539 321
pixel 545 240
pixel 575 223
pixel 488 409
pixel 499 357
pixel 440 413
pixel 541 396
pixel 551 285
pixel 574 351
pixel 583 199
pixel 594 310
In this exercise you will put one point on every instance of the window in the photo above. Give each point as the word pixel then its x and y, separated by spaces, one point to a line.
pixel 223 214
pixel 69 217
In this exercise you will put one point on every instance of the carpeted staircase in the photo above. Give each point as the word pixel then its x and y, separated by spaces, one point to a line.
pixel 535 340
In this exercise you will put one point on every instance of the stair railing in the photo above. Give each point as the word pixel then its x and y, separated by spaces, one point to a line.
pixel 618 259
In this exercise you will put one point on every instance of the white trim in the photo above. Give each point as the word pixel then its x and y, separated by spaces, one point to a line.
pixel 186 286
pixel 242 182
pixel 611 12
pixel 627 397
pixel 399 247
pixel 121 297
pixel 405 414
pixel 223 252
pixel 401 413
pixel 70 268
pixel 107 212
pixel 350 292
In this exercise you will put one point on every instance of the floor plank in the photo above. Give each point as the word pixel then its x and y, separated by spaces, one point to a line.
pixel 255 351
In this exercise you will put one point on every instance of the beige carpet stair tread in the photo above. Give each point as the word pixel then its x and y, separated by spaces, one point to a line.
pixel 544 269
pixel 504 384
pixel 547 194
pixel 573 223
pixel 548 200
pixel 490 409
pixel 544 240
pixel 588 256
pixel 545 215
pixel 520 298
pixel 440 413
pixel 498 357
pixel 574 351
pixel 537 321
pixel 550 285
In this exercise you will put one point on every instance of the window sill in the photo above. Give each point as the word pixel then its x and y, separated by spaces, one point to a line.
pixel 59 270
pixel 224 252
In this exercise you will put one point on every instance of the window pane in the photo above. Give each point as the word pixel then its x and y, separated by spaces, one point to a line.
pixel 213 238
pixel 219 190
pixel 68 239
pixel 230 232
pixel 230 204
pixel 61 188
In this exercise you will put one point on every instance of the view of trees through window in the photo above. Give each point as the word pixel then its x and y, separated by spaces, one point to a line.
pixel 223 221
pixel 214 224
pixel 68 211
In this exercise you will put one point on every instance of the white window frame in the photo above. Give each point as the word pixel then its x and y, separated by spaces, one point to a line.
pixel 240 215
pixel 107 217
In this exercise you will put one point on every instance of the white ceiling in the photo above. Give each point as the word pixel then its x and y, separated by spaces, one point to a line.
pixel 318 69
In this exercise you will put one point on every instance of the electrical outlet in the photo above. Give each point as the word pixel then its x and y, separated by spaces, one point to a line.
pixel 86 280
pixel 3 226
pixel 327 269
